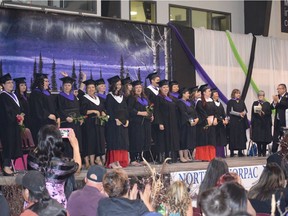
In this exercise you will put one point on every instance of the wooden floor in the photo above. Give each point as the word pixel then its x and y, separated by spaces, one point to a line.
pixel 176 167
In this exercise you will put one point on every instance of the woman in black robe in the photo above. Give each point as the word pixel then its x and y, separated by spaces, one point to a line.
pixel 261 123
pixel 68 109
pixel 187 121
pixel 140 123
pixel 117 127
pixel 174 89
pixel 42 105
pixel 206 135
pixel 93 130
pixel 238 123
pixel 101 89
pixel 166 117
pixel 10 132
pixel 221 136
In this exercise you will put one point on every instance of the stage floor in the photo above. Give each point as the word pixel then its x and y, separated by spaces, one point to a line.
pixel 176 167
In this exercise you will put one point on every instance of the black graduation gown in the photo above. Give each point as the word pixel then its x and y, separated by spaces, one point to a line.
pixel 10 131
pixel 165 113
pixel 261 124
pixel 205 135
pixel 139 127
pixel 117 136
pixel 69 108
pixel 150 94
pixel 25 108
pixel 220 128
pixel 237 125
pixel 41 106
pixel 187 132
pixel 93 133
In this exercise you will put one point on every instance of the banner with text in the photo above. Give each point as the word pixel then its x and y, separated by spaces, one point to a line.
pixel 284 16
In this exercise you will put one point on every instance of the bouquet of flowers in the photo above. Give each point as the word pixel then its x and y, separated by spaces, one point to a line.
pixel 149 110
pixel 103 119
pixel 20 119
pixel 79 119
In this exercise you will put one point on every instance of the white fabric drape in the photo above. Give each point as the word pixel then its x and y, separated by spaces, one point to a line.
pixel 213 52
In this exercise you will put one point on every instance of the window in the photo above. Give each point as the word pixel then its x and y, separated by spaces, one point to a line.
pixel 193 17
pixel 144 11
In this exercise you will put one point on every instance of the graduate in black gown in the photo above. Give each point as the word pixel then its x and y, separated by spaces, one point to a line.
pixel 187 118
pixel 68 109
pixel 126 87
pixel 174 89
pixel 206 135
pixel 238 123
pixel 101 89
pixel 261 123
pixel 10 132
pixel 117 127
pixel 140 123
pixel 151 91
pixel 21 93
pixel 93 131
pixel 165 115
pixel 221 136
pixel 42 105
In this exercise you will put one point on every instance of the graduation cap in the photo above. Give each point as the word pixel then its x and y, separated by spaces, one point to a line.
pixel 174 82
pixel 163 82
pixel 5 78
pixel 113 79
pixel 136 82
pixel 126 80
pixel 100 81
pixel 67 80
pixel 183 91
pixel 20 80
pixel 203 87
pixel 89 82
pixel 193 89
pixel 152 76
pixel 41 75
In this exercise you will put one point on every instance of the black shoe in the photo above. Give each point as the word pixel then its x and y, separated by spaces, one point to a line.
pixel 232 154
pixel 240 154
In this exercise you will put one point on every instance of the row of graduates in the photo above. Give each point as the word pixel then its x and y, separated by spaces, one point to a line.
pixel 180 122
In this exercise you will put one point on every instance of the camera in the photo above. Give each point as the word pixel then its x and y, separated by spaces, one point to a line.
pixel 64 132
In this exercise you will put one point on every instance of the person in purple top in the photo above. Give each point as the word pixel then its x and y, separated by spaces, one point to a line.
pixel 85 201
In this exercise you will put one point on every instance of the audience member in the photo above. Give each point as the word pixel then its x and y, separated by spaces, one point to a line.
pixel 48 158
pixel 216 168
pixel 120 201
pixel 271 181
pixel 85 201
pixel 36 195
pixel 178 200
pixel 237 198
pixel 5 210
pixel 214 202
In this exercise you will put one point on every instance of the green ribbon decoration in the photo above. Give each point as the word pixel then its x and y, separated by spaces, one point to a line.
pixel 240 61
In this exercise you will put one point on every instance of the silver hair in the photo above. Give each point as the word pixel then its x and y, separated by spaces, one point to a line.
pixel 261 93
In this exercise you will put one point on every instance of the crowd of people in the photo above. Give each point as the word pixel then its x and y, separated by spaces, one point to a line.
pixel 113 130
pixel 115 125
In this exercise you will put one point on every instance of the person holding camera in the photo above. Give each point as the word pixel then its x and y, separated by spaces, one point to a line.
pixel 48 158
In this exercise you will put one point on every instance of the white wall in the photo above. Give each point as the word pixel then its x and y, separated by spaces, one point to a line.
pixel 275 21
pixel 236 8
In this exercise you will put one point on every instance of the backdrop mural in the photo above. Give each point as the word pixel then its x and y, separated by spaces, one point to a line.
pixel 32 41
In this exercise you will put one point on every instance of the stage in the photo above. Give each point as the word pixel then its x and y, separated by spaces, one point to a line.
pixel 169 168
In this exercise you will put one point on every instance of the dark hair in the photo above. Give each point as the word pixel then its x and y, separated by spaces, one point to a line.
pixel 216 168
pixel 214 202
pixel 38 83
pixel 113 89
pixel 237 196
pixel 125 89
pixel 234 91
pixel 143 95
pixel 203 98
pixel 116 183
pixel 50 145
pixel 37 196
pixel 271 179
pixel 283 85
pixel 17 90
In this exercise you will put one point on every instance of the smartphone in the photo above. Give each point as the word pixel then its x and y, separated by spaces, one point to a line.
pixel 64 132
